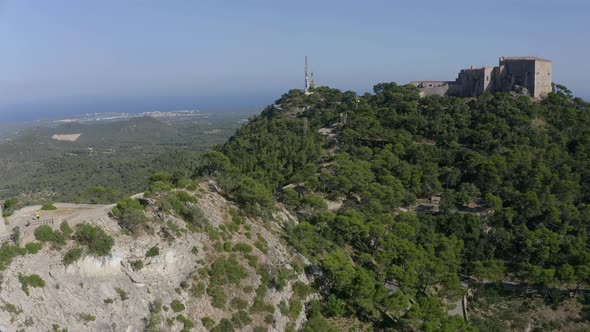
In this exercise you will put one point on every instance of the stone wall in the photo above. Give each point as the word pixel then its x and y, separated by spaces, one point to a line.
pixel 520 72
pixel 543 78
pixel 435 90
pixel 472 81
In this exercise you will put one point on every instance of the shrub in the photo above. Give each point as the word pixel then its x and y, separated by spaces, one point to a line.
pixel 188 324
pixel 48 207
pixel 131 216
pixel 137 265
pixel 259 305
pixel 268 319
pixel 122 294
pixel 301 289
pixel 33 247
pixel 241 319
pixel 261 246
pixel 252 260
pixel 207 322
pixel 242 247
pixel 87 318
pixel 224 326
pixel 238 304
pixel 185 183
pixel 177 306
pixel 224 271
pixel 159 186
pixel 314 203
pixel 217 296
pixel 72 255
pixel 65 228
pixel 284 308
pixel 227 246
pixel 160 176
pixel 295 309
pixel 98 242
pixel 7 254
pixel 194 216
pixel 153 251
pixel 34 280
pixel 126 204
pixel 57 328
pixel 9 206
pixel 11 308
pixel 290 327
pixel 253 196
pixel 198 290
pixel 184 197
pixel 154 320
pixel 45 233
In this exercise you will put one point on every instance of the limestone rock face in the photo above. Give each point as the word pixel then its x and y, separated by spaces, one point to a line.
pixel 107 294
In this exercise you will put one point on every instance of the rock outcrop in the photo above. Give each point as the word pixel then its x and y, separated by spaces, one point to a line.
pixel 108 294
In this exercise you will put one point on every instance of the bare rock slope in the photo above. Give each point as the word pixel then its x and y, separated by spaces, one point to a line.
pixel 113 293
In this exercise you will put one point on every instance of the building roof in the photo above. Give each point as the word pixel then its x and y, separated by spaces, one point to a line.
pixel 509 58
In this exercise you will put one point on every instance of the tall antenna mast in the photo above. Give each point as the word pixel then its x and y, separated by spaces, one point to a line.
pixel 306 78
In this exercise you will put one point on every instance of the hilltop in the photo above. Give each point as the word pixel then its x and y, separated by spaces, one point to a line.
pixel 502 182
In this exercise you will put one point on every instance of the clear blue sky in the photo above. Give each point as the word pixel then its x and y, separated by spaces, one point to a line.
pixel 102 55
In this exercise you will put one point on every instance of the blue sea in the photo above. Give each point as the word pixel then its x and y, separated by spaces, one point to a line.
pixel 69 107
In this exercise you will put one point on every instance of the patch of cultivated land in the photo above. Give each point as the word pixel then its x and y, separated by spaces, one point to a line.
pixel 66 137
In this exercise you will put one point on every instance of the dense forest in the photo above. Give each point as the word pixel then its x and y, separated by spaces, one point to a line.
pixel 355 168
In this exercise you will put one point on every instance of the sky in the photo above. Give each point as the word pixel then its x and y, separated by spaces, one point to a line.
pixel 74 57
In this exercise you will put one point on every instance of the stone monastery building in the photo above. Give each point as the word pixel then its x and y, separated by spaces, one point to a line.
pixel 525 75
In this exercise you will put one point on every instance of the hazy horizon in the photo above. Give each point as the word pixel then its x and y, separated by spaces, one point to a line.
pixel 71 57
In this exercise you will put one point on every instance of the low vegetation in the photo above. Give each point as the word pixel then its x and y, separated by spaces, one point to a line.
pixel 177 306
pixel 95 239
pixel 45 233
pixel 48 207
pixel 136 265
pixel 8 252
pixel 33 280
pixel 131 215
pixel 33 247
pixel 153 252
pixel 154 320
pixel 72 255
pixel 86 318
pixel 122 294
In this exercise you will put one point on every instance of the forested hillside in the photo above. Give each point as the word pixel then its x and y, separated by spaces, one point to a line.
pixel 353 168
